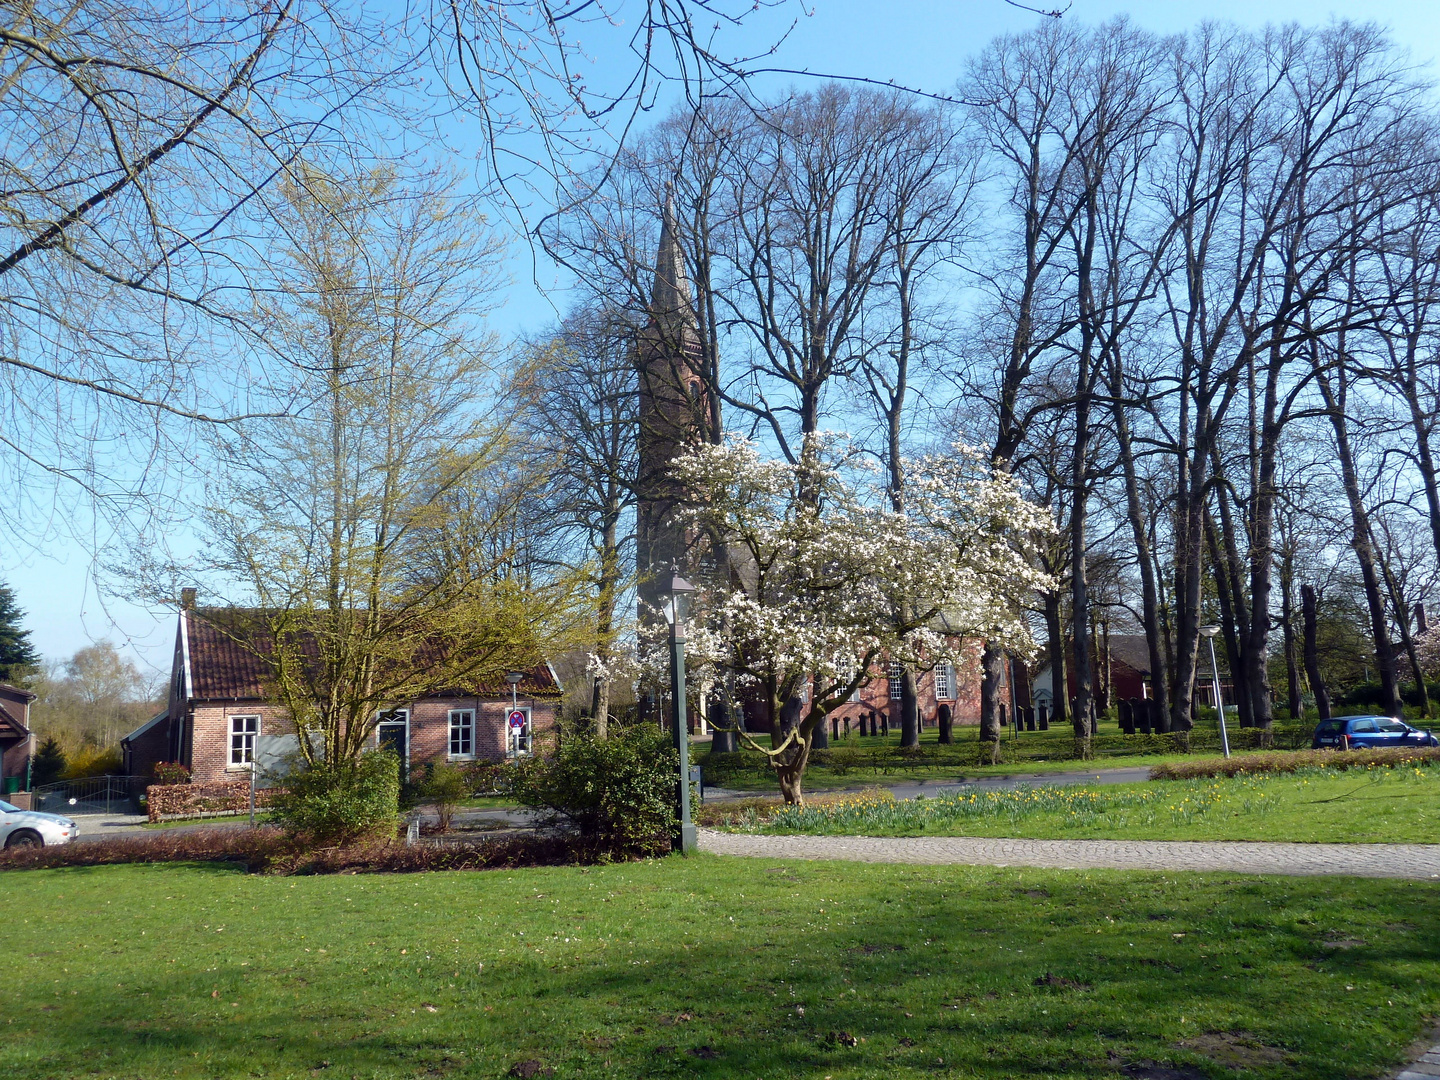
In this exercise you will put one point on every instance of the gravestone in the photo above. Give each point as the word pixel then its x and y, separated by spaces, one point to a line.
pixel 1029 719
pixel 947 724
pixel 1042 717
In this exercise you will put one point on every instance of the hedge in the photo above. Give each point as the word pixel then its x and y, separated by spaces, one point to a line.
pixel 1282 762
pixel 167 802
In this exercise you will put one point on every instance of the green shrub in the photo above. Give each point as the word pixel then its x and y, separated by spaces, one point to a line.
pixel 342 802
pixel 446 786
pixel 49 764
pixel 619 791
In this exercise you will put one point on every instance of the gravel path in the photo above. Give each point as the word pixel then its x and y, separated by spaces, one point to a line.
pixel 1416 861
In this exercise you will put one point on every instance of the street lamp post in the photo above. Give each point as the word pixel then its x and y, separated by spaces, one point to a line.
pixel 1208 633
pixel 675 612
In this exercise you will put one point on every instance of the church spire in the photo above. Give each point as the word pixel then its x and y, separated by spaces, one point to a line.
pixel 670 296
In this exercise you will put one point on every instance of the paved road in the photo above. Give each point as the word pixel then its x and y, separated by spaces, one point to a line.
pixel 1416 861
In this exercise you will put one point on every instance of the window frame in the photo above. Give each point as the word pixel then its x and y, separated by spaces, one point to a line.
pixel 945 673
pixel 246 749
pixel 468 755
pixel 894 676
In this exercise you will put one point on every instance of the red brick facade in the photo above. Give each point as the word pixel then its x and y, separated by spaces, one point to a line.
pixel 963 697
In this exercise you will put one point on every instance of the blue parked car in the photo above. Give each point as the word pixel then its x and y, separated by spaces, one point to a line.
pixel 1353 732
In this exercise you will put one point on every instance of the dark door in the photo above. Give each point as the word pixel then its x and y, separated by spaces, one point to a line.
pixel 396 735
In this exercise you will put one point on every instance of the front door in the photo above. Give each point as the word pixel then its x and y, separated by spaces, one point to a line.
pixel 394 731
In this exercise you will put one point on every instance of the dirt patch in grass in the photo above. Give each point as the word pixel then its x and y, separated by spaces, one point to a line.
pixel 1235 1049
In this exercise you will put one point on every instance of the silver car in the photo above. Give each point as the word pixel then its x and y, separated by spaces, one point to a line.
pixel 27 828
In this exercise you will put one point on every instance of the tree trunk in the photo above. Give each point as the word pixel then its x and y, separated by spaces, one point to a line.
pixel 1287 626
pixel 1233 635
pixel 909 709
pixel 1312 652
pixel 1140 537
pixel 1362 543
pixel 992 664
pixel 1059 683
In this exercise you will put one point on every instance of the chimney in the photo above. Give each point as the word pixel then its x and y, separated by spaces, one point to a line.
pixel 187 599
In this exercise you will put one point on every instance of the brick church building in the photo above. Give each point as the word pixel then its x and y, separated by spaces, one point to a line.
pixel 676 408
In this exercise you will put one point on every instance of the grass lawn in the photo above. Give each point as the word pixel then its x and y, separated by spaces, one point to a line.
pixel 487 802
pixel 261 816
pixel 712 967
pixel 1372 805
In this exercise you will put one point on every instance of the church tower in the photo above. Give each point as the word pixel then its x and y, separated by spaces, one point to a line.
pixel 668 354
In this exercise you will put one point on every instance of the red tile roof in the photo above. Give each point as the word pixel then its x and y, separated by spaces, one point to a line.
pixel 224 668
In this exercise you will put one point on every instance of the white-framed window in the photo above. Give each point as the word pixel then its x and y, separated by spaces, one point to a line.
pixel 805 692
pixel 243 730
pixel 462 733
pixel 893 675
pixel 944 682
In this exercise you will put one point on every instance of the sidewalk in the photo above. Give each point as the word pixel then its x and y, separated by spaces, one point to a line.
pixel 1411 861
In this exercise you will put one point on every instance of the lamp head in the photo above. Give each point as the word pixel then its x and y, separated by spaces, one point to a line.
pixel 515 678
pixel 1209 631
pixel 677 597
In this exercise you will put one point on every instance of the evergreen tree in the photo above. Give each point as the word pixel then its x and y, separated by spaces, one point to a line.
pixel 49 763
pixel 18 657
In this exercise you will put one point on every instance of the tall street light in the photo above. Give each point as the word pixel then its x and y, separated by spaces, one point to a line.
pixel 1208 633
pixel 676 608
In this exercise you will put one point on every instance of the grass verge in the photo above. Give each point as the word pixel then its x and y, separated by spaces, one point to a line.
pixel 714 968
pixel 1364 804
pixel 881 760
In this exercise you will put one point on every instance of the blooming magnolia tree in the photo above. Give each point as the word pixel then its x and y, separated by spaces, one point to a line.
pixel 1427 649
pixel 825 583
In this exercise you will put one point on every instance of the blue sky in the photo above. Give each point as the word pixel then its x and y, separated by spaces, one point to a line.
pixel 918 44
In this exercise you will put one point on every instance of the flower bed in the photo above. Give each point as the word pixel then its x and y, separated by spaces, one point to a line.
pixel 172 802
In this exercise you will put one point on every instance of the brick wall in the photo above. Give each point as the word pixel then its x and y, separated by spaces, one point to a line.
pixel 964 704
pixel 210 737
pixel 430 726
pixel 148 750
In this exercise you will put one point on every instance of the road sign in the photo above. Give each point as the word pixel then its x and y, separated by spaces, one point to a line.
pixel 517 719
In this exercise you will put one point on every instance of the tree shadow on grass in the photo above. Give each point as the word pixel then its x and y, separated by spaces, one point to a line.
pixel 827 969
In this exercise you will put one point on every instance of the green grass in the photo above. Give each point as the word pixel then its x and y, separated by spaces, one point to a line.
pixel 711 968
pixel 216 819
pixel 879 760
pixel 1371 805
pixel 487 802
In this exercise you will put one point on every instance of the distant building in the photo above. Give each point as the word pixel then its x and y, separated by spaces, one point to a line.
pixel 218 705
pixel 17 741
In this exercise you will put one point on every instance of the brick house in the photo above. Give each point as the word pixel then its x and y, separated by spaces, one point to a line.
pixel 217 705
pixel 956 685
pixel 17 742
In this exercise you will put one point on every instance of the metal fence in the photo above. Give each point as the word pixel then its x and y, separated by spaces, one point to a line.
pixel 92 795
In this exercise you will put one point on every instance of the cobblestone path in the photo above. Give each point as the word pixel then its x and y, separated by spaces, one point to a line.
pixel 1417 861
